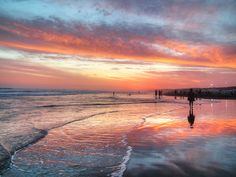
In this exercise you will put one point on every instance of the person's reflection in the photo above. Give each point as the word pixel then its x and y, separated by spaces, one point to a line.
pixel 191 99
pixel 191 118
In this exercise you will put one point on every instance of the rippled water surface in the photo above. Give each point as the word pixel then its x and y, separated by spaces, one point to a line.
pixel 99 135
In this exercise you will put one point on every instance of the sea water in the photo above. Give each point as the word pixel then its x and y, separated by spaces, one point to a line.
pixel 82 133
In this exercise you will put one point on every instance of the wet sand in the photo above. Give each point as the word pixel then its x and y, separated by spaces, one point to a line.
pixel 166 145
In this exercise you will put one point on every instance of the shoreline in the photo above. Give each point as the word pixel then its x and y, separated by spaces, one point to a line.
pixel 6 156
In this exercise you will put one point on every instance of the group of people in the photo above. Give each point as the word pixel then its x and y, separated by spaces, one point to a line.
pixel 159 93
pixel 191 96
pixel 191 99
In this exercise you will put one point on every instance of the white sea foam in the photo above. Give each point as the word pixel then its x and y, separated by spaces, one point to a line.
pixel 126 158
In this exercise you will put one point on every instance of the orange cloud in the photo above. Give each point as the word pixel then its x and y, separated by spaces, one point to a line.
pixel 211 54
pixel 114 45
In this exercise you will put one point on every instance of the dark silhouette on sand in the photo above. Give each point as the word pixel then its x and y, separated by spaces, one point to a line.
pixel 191 116
pixel 159 94
pixel 191 98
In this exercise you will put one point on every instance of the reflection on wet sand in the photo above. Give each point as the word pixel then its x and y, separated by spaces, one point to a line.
pixel 191 117
pixel 135 140
pixel 165 146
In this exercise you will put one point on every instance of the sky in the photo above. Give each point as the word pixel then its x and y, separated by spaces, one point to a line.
pixel 117 44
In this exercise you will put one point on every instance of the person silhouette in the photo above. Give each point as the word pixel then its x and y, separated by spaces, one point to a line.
pixel 155 94
pixel 159 93
pixel 191 118
pixel 191 98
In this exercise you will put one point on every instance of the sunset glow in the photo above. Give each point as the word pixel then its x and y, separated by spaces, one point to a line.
pixel 117 45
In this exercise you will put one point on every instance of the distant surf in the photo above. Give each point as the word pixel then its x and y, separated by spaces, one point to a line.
pixel 12 92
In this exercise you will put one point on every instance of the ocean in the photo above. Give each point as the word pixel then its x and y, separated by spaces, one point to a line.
pixel 92 133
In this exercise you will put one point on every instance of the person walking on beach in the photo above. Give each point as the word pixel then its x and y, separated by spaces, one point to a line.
pixel 191 98
pixel 159 94
pixel 191 116
pixel 155 94
pixel 175 94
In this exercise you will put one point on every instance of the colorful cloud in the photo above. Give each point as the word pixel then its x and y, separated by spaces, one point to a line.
pixel 107 43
